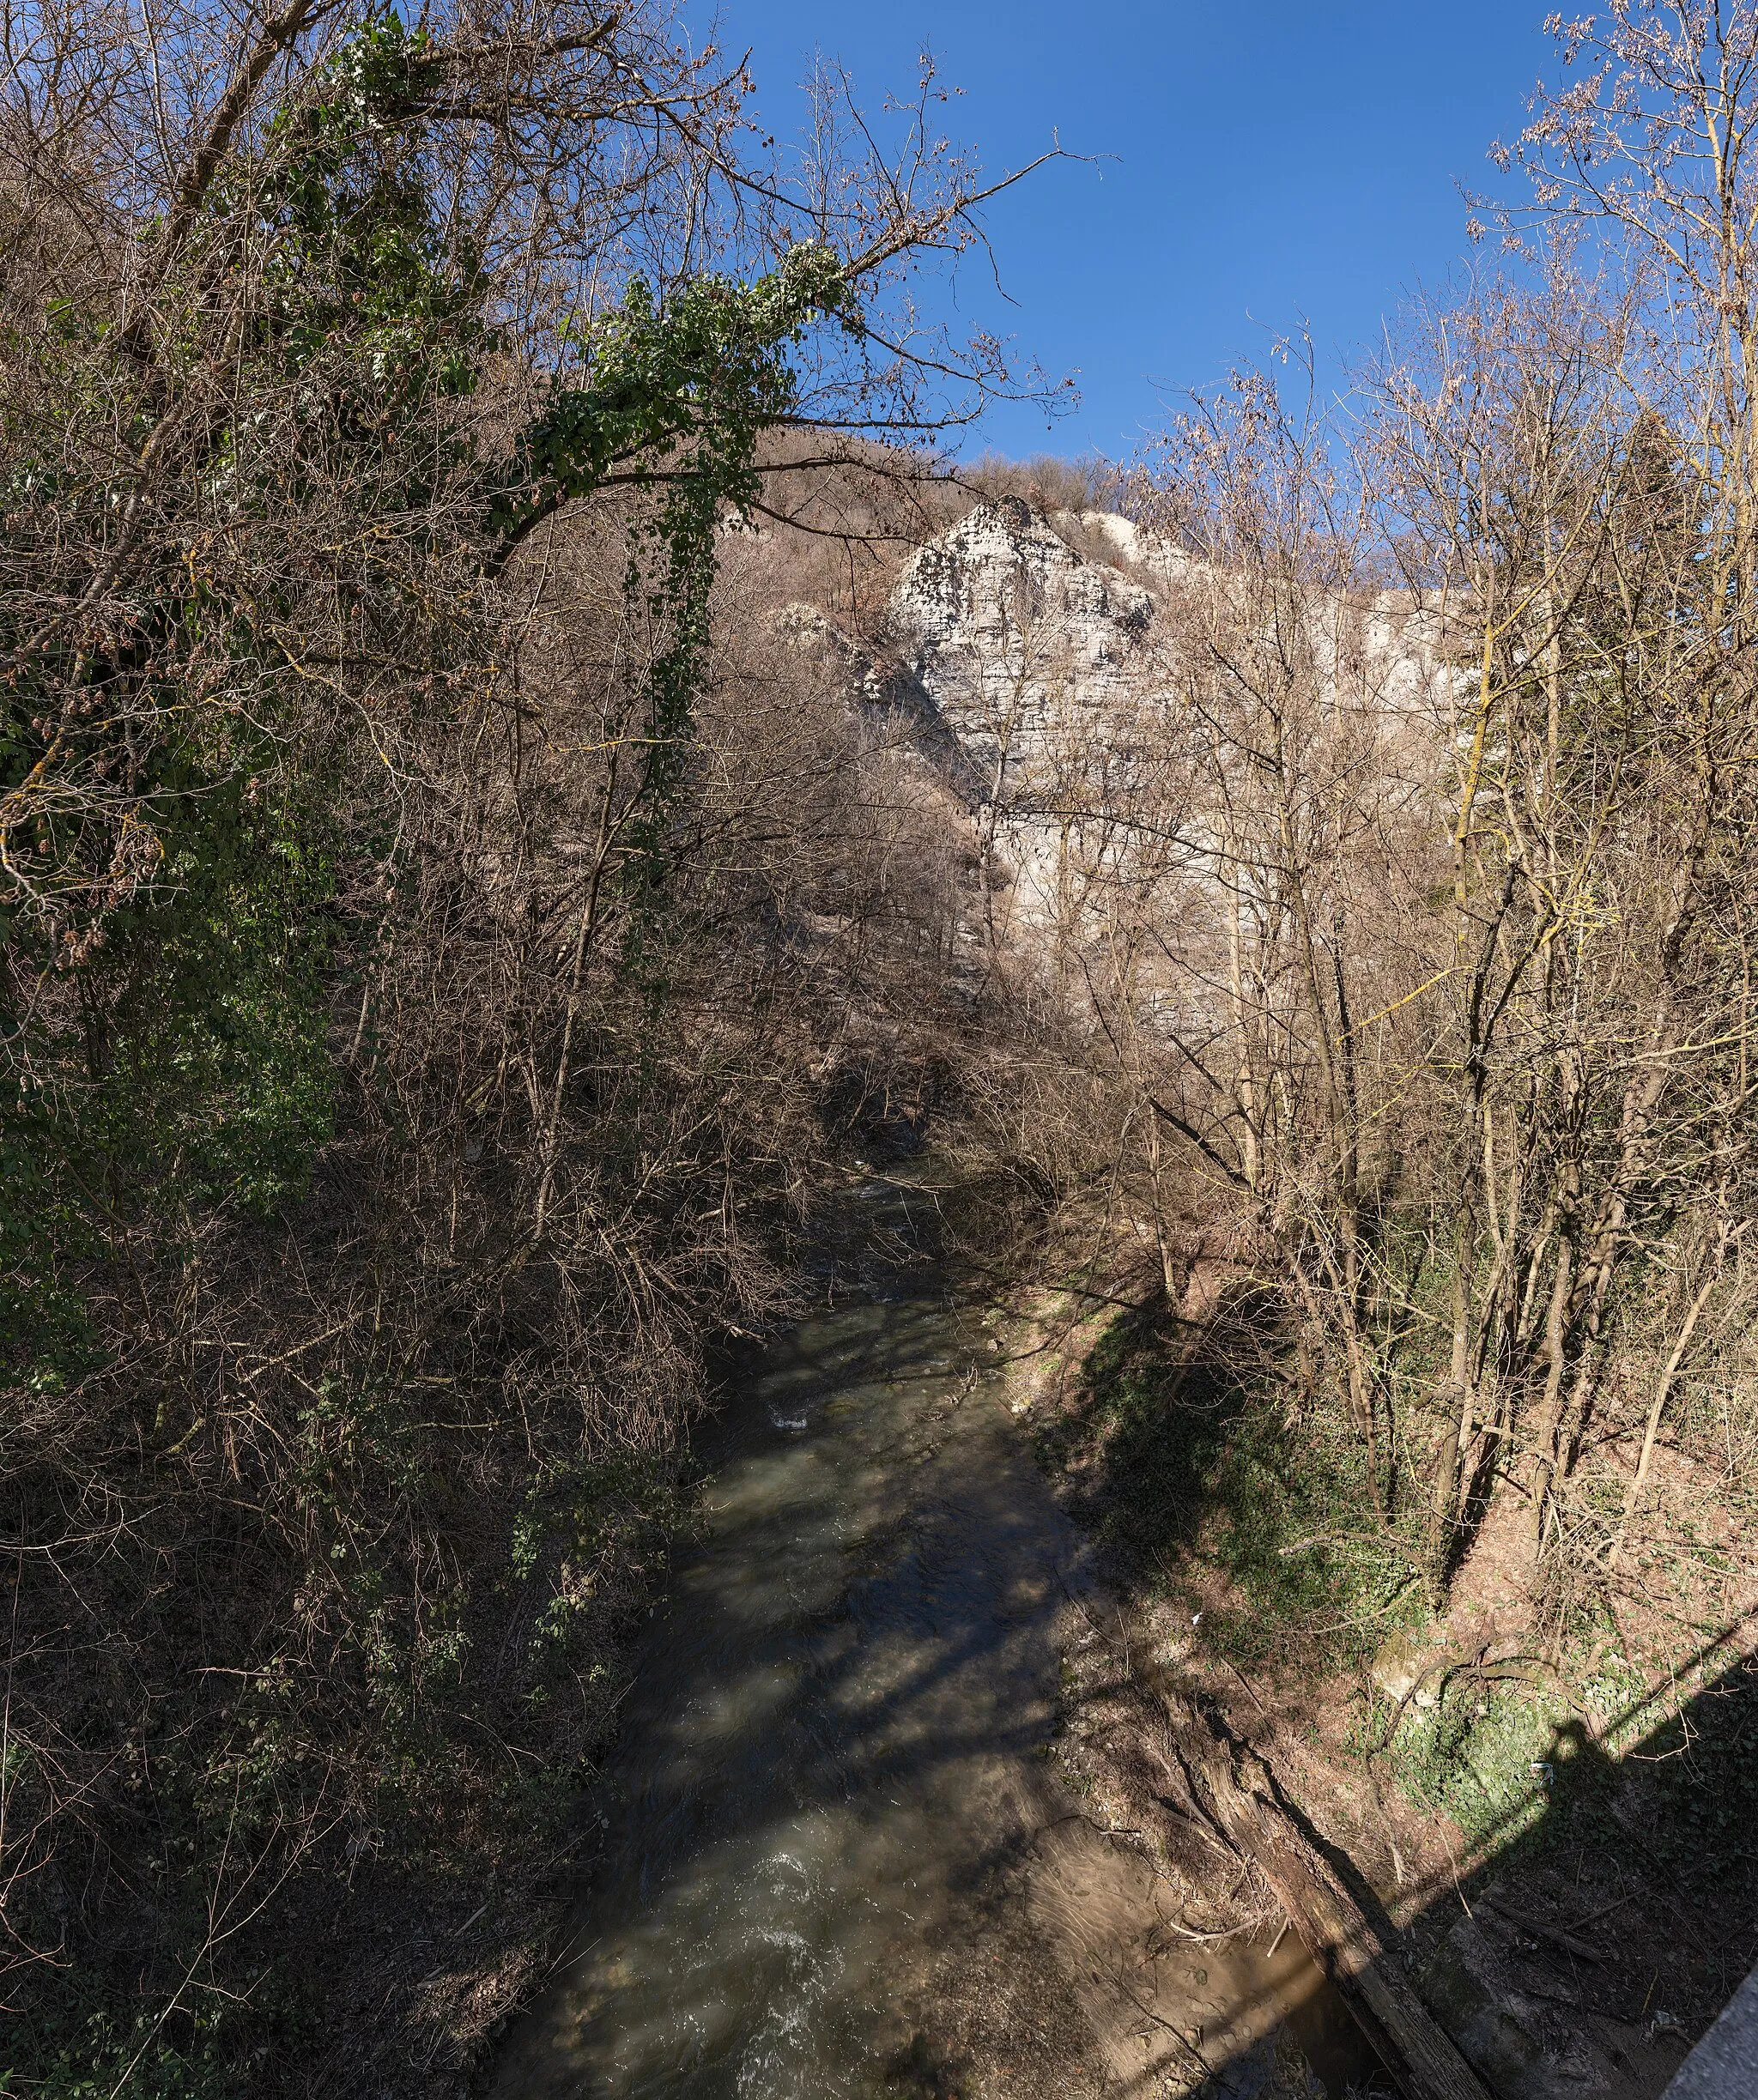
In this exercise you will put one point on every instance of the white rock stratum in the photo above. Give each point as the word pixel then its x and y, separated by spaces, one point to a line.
pixel 1044 669
pixel 1016 638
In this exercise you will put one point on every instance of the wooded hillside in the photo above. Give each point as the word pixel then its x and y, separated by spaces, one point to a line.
pixel 417 1050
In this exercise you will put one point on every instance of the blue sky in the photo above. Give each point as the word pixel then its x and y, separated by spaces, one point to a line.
pixel 1272 160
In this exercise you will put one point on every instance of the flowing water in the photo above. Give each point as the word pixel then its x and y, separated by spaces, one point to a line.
pixel 835 1862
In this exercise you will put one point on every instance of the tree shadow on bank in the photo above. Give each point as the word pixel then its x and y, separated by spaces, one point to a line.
pixel 1184 1453
pixel 1606 1906
pixel 829 1783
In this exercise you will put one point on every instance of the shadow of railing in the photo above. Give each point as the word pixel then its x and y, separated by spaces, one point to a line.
pixel 1598 1925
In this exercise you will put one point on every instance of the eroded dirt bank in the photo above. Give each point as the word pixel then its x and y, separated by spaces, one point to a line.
pixel 1578 1928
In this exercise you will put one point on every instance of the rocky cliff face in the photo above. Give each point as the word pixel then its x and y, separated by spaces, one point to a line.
pixel 1040 664
pixel 1017 640
pixel 1042 669
pixel 1020 630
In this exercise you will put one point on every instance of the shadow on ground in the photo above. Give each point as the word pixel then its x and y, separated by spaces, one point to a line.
pixel 1595 1942
pixel 1609 1907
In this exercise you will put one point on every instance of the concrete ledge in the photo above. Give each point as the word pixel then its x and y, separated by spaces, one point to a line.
pixel 1723 2066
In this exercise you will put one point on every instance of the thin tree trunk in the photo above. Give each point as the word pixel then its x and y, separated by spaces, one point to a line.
pixel 1662 1391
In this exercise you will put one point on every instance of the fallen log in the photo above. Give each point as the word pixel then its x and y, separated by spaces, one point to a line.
pixel 1416 2049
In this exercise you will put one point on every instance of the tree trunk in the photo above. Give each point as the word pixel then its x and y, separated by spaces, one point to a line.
pixel 1416 2049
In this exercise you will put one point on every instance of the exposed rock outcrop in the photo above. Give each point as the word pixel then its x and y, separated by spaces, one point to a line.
pixel 1015 637
pixel 1045 670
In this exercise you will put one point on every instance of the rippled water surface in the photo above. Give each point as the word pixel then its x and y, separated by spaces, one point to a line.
pixel 828 1794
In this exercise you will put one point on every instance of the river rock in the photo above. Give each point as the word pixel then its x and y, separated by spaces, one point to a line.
pixel 1412 1664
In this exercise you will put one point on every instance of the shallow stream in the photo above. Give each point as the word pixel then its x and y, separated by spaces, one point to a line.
pixel 836 1861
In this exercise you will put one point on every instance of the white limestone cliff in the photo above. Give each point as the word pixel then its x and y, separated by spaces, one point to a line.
pixel 1043 670
pixel 1015 637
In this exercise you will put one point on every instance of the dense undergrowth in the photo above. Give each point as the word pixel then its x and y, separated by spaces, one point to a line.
pixel 448 935
pixel 1189 1466
pixel 1180 1453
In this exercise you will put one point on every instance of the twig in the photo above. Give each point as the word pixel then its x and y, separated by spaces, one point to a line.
pixel 1247 1682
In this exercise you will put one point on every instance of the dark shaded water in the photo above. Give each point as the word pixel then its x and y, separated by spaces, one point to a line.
pixel 829 1798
